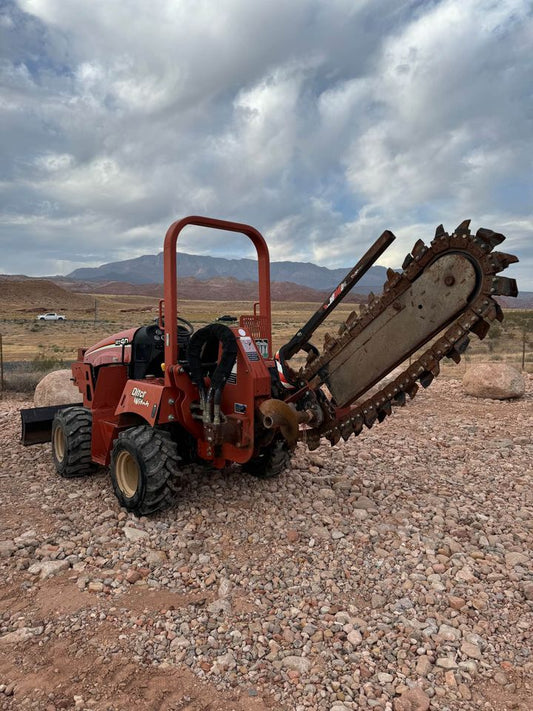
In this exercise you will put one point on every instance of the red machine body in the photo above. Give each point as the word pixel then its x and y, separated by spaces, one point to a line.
pixel 136 376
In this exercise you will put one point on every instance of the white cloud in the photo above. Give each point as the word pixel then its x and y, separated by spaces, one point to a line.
pixel 447 109
pixel 322 123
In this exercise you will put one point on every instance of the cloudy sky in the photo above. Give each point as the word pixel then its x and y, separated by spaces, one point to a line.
pixel 320 122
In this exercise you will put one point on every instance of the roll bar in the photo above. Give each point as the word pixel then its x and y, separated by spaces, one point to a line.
pixel 170 276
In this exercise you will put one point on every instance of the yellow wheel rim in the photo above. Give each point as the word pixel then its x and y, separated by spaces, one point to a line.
pixel 127 473
pixel 59 444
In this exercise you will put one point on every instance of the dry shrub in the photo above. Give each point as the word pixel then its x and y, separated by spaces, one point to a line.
pixel 21 380
pixel 23 376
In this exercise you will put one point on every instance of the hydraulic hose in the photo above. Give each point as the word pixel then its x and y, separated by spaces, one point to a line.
pixel 220 334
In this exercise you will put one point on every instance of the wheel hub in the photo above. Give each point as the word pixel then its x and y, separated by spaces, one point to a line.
pixel 127 473
pixel 59 444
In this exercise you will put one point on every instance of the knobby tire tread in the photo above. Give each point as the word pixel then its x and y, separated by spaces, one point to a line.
pixel 159 455
pixel 271 462
pixel 76 423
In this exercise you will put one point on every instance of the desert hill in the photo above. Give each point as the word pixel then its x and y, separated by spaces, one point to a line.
pixel 32 295
pixel 29 295
pixel 524 300
pixel 216 289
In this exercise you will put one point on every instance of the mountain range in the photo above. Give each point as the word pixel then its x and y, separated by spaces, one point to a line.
pixel 148 269
pixel 216 278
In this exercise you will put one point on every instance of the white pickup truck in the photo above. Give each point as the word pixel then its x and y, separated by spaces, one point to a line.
pixel 50 317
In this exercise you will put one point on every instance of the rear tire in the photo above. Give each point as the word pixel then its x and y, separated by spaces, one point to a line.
pixel 271 461
pixel 71 442
pixel 145 470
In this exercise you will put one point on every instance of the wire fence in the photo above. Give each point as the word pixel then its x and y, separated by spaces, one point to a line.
pixel 510 342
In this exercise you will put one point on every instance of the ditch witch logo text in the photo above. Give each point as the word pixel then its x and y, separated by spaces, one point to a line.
pixel 138 397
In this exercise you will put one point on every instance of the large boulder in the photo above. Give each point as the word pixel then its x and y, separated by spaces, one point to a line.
pixel 499 381
pixel 387 380
pixel 56 389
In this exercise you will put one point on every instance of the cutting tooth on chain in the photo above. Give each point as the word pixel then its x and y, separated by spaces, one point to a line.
pixel 412 390
pixel 357 423
pixel 440 231
pixel 399 399
pixel 504 286
pixel 311 356
pixel 489 237
pixel 462 344
pixel 481 244
pixel 436 369
pixel 463 228
pixel 384 409
pixel 351 320
pixel 431 372
pixel 480 328
pixel 369 415
pixel 312 442
pixel 453 354
pixel 346 429
pixel 500 261
pixel 493 312
pixel 457 348
pixel 407 261
pixel 392 277
pixel 419 249
pixel 333 436
pixel 426 379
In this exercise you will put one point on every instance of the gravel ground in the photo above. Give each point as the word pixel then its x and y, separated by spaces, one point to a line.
pixel 389 572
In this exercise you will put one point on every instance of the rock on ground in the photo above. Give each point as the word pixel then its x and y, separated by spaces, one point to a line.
pixel 499 381
pixel 414 699
pixel 56 389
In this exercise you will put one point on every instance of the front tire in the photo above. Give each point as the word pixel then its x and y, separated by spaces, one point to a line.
pixel 145 470
pixel 71 442
pixel 271 461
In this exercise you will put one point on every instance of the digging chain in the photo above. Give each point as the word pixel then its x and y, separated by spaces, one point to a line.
pixel 476 318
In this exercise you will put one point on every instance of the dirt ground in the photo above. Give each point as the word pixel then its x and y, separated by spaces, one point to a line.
pixel 83 668
pixel 78 658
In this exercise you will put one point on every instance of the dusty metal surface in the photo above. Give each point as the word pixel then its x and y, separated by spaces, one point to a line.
pixel 301 338
pixel 406 324
pixel 277 413
pixel 475 315
pixel 37 423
